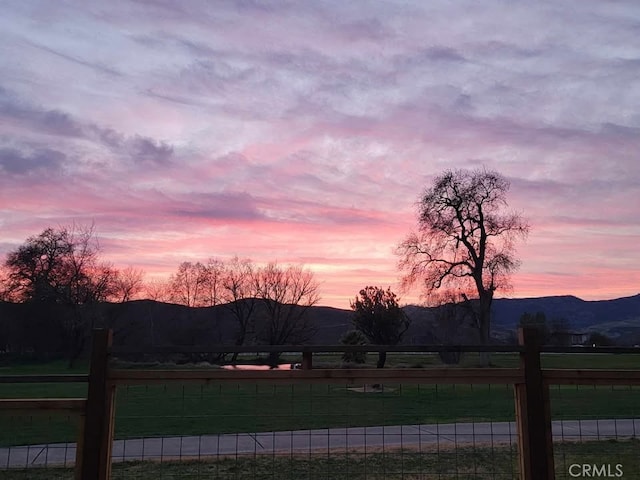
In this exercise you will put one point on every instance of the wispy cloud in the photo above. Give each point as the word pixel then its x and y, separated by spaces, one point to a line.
pixel 99 67
pixel 305 131
pixel 46 162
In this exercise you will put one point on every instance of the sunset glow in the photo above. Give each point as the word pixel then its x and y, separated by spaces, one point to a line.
pixel 304 132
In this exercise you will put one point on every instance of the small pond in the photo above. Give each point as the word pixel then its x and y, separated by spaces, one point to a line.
pixel 282 366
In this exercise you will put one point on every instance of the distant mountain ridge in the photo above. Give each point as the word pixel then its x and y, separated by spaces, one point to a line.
pixel 617 318
pixel 145 323
pixel 613 318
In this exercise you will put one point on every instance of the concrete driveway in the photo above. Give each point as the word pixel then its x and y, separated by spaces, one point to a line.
pixel 335 440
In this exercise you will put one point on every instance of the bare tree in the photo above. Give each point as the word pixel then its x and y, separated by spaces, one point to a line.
pixel 239 294
pixel 212 289
pixel 129 283
pixel 452 316
pixel 465 241
pixel 157 290
pixel 197 284
pixel 377 314
pixel 6 295
pixel 286 295
pixel 188 284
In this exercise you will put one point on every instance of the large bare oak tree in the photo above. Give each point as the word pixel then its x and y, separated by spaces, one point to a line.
pixel 465 242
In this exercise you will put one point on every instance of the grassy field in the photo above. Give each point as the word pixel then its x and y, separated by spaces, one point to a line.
pixel 176 409
pixel 461 463
pixel 398 360
pixel 499 360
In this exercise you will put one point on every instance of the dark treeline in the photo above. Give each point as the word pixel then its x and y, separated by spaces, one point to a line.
pixel 55 289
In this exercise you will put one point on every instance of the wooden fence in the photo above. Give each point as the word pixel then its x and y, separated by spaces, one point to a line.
pixel 531 384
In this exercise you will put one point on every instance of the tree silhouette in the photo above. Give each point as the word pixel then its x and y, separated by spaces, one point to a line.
pixel 128 284
pixel 465 241
pixel 378 316
pixel 187 285
pixel 59 271
pixel 239 292
pixel 354 338
pixel 59 266
pixel 286 294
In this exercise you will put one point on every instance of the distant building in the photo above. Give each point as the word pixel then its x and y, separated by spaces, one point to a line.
pixel 568 338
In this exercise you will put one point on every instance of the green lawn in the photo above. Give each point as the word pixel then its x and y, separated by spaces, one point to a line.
pixel 48 368
pixel 462 463
pixel 504 360
pixel 251 408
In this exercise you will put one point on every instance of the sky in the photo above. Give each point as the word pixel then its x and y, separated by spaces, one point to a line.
pixel 305 132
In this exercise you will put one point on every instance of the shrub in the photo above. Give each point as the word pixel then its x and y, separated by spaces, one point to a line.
pixel 354 337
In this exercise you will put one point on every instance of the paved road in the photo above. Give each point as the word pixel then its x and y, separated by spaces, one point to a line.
pixel 334 439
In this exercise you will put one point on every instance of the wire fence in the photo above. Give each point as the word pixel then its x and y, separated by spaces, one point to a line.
pixel 198 422
pixel 596 431
pixel 38 436
pixel 37 440
pixel 327 431
pixel 319 431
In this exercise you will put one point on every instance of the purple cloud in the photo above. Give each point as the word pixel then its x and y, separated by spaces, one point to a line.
pixel 58 123
pixel 316 125
pixel 14 162
pixel 51 121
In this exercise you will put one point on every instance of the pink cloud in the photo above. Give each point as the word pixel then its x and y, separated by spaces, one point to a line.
pixel 305 133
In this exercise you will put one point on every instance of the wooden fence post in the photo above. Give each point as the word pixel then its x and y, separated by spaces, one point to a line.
pixel 533 413
pixel 80 445
pixel 98 425
pixel 307 360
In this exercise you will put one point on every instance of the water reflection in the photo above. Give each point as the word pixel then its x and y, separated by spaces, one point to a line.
pixel 282 366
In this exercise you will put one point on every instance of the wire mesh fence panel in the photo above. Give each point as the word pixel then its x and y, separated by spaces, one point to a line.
pixel 38 445
pixel 414 420
pixel 315 431
pixel 596 430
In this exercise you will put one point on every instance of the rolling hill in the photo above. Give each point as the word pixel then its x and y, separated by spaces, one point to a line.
pixel 145 323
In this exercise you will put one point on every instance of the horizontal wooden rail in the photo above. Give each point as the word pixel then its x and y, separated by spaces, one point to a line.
pixel 585 349
pixel 318 349
pixel 366 349
pixel 35 405
pixel 590 377
pixel 44 378
pixel 501 376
